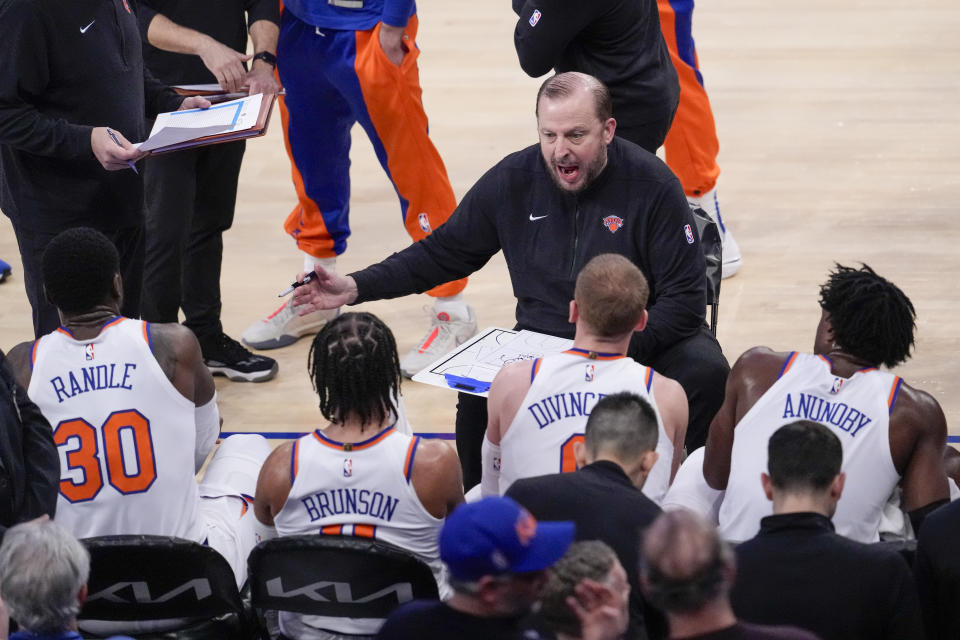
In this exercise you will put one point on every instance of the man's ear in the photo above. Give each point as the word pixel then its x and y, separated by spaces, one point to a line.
pixel 580 454
pixel 116 288
pixel 642 322
pixel 648 460
pixel 609 130
pixel 767 486
pixel 836 487
pixel 82 595
pixel 574 312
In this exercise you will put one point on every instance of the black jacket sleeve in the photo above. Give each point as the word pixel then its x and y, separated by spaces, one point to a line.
pixel 23 74
pixel 455 249
pixel 35 465
pixel 158 97
pixel 146 12
pixel 541 40
pixel 262 10
pixel 677 275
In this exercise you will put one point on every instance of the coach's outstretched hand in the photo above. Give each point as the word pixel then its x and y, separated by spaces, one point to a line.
pixel 327 290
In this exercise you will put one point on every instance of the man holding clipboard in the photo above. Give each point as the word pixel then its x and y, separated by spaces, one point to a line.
pixel 191 194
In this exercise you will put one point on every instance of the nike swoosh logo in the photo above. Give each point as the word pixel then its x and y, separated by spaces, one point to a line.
pixel 84 29
pixel 535 218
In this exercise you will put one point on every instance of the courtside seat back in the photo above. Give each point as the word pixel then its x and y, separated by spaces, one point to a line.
pixel 140 577
pixel 336 576
pixel 711 241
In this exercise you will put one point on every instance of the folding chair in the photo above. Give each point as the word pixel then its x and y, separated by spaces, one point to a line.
pixel 336 577
pixel 712 243
pixel 149 580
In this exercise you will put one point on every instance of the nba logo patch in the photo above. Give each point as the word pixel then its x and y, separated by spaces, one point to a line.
pixel 589 373
pixel 126 6
pixel 535 18
pixel 424 223
pixel 613 223
pixel 837 383
pixel 88 352
pixel 688 232
pixel 347 468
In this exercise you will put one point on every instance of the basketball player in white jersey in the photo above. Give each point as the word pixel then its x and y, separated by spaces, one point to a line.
pixel 538 409
pixel 891 433
pixel 134 414
pixel 358 476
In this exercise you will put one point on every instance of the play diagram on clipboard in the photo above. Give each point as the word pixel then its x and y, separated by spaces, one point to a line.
pixel 471 367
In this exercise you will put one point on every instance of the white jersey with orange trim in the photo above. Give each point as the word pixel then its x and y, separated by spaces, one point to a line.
pixel 857 409
pixel 125 434
pixel 357 489
pixel 564 387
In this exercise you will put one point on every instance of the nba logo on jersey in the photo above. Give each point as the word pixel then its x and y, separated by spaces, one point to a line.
pixel 837 383
pixel 688 232
pixel 88 352
pixel 526 527
pixel 424 223
pixel 535 18
pixel 613 223
pixel 589 373
pixel 347 467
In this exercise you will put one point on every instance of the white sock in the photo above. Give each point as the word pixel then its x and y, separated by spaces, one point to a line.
pixel 454 306
pixel 330 264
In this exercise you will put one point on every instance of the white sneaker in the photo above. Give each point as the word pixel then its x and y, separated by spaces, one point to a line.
pixel 445 334
pixel 732 258
pixel 285 326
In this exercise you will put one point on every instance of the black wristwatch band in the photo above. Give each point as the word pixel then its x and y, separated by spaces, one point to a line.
pixel 267 57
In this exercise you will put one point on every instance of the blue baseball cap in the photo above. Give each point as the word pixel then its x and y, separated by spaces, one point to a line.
pixel 496 535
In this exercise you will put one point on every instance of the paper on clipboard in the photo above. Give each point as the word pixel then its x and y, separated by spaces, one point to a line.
pixel 473 365
pixel 181 126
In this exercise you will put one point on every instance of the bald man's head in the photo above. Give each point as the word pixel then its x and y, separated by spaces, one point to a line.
pixel 685 563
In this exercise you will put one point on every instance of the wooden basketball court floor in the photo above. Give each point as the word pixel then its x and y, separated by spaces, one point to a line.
pixel 839 142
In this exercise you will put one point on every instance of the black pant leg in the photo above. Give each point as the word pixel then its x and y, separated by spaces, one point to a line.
pixel 700 367
pixel 217 175
pixel 129 242
pixel 169 188
pixel 471 426
pixel 649 135
pixel 32 244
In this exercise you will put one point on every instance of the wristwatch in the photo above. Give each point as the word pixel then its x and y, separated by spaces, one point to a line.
pixel 267 57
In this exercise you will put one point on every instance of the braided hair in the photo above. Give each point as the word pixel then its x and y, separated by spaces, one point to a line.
pixel 871 317
pixel 354 369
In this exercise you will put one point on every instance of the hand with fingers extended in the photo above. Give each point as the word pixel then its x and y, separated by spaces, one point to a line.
pixel 111 155
pixel 260 79
pixel 326 290
pixel 225 64
pixel 602 612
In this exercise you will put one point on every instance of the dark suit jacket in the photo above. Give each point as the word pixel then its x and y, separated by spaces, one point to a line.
pixel 938 572
pixel 605 506
pixel 797 571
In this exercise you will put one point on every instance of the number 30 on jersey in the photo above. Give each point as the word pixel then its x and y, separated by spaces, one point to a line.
pixel 125 446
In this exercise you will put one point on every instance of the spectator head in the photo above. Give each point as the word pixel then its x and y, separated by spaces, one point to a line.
pixel 686 568
pixel 804 460
pixel 575 124
pixel 865 316
pixel 622 428
pixel 590 560
pixel 355 370
pixel 498 554
pixel 81 269
pixel 43 576
pixel 610 297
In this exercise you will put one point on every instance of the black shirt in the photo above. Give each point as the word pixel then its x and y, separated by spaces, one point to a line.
pixel 222 20
pixel 938 572
pixel 617 41
pixel 635 207
pixel 68 67
pixel 605 506
pixel 798 571
pixel 431 619
pixel 744 631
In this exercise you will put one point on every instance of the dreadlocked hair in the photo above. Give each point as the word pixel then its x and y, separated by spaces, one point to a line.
pixel 871 317
pixel 354 369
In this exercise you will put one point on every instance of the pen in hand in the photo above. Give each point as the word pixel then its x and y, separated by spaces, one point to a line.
pixel 113 137
pixel 307 278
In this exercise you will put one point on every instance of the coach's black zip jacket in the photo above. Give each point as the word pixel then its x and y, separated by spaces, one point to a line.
pixel 636 207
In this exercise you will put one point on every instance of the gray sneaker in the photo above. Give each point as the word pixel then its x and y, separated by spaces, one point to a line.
pixel 445 335
pixel 285 326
